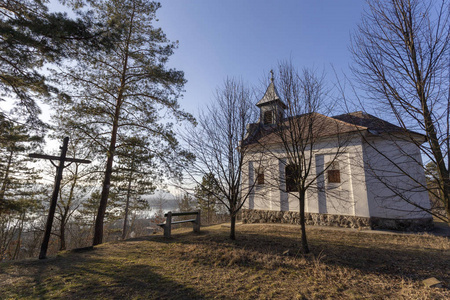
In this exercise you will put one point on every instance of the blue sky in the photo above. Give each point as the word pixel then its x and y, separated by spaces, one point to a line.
pixel 246 38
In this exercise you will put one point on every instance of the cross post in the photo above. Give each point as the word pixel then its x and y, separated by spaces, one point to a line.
pixel 59 171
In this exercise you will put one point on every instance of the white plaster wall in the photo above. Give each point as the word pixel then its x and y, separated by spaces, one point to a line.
pixel 334 198
pixel 264 196
pixel 347 198
pixel 247 177
pixel 360 193
pixel 389 186
pixel 357 179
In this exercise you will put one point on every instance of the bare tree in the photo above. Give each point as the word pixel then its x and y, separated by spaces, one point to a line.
pixel 292 132
pixel 401 54
pixel 216 145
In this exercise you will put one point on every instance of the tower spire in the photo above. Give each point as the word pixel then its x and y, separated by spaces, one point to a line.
pixel 271 107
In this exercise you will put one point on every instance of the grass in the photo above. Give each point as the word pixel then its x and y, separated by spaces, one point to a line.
pixel 343 265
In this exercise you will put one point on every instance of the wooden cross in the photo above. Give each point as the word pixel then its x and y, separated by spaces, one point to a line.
pixel 59 170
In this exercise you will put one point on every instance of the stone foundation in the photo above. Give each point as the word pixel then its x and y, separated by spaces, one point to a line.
pixel 402 224
pixel 292 217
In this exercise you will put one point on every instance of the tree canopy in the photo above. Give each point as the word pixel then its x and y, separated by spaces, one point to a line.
pixel 31 37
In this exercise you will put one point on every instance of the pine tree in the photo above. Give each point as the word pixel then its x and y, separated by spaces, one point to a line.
pixel 89 208
pixel 186 204
pixel 134 177
pixel 19 191
pixel 205 194
pixel 15 175
pixel 31 36
pixel 128 88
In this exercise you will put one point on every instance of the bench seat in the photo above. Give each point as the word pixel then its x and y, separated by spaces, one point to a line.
pixel 178 222
pixel 167 225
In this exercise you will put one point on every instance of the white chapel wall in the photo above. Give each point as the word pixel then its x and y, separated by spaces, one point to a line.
pixel 347 198
pixel 386 182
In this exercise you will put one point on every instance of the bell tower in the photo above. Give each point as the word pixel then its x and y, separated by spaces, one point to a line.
pixel 270 106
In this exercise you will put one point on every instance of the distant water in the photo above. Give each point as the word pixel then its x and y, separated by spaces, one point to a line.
pixel 166 205
pixel 160 201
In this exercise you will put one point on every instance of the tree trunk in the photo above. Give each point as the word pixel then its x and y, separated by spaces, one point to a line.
pixel 127 205
pixel 62 231
pixel 430 128
pixel 440 163
pixel 19 237
pixel 233 226
pixel 305 247
pixel 208 215
pixel 437 153
pixel 98 230
pixel 66 207
pixel 125 221
pixel 5 179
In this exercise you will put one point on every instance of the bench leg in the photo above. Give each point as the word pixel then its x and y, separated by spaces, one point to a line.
pixel 168 225
pixel 197 223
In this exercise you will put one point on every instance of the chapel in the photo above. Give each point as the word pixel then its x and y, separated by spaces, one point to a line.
pixel 364 172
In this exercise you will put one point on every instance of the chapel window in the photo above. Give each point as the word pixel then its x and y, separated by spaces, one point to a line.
pixel 260 176
pixel 291 185
pixel 268 116
pixel 334 173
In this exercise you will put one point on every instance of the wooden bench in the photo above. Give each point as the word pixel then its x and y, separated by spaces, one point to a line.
pixel 167 225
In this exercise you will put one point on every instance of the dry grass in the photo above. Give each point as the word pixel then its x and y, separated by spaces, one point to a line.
pixel 345 265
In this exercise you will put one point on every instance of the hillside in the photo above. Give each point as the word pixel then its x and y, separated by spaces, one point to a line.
pixel 343 265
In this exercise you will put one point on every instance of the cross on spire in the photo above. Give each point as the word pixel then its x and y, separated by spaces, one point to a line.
pixel 271 75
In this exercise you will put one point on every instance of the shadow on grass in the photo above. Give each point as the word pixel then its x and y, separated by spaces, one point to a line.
pixel 155 268
pixel 88 275
pixel 369 253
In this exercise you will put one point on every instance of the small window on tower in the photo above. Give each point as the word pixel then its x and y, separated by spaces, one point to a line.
pixel 260 176
pixel 334 174
pixel 268 115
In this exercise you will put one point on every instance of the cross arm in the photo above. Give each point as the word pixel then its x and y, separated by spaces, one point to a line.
pixel 51 157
